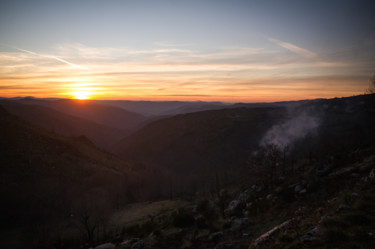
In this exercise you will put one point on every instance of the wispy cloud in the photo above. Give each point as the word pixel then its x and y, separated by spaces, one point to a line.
pixel 51 57
pixel 231 73
pixel 295 49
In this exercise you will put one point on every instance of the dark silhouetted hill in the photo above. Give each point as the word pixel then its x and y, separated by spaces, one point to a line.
pixel 104 114
pixel 103 136
pixel 189 142
pixel 226 138
pixel 45 178
pixel 162 108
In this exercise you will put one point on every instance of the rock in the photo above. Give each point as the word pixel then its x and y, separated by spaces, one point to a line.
pixel 300 211
pixel 323 171
pixel 247 195
pixel 105 246
pixel 354 196
pixel 226 245
pixel 195 210
pixel 292 185
pixel 316 230
pixel 303 191
pixel 342 207
pixel 234 206
pixel 200 220
pixel 250 193
pixel 238 224
pixel 323 218
pixel 279 189
pixel 216 237
pixel 298 188
pixel 256 188
pixel 127 244
pixel 269 197
pixel 308 237
pixel 138 245
pixel 371 176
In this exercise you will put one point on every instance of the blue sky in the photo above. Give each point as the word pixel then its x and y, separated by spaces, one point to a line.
pixel 208 50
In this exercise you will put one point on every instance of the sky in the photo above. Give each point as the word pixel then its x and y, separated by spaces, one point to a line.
pixel 210 50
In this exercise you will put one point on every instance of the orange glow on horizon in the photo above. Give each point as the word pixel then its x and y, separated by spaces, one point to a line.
pixel 81 95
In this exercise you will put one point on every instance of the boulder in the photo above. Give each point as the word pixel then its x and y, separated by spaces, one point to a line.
pixel 216 237
pixel 127 244
pixel 239 224
pixel 371 176
pixel 342 207
pixel 307 237
pixel 303 191
pixel 140 244
pixel 234 206
pixel 354 196
pixel 310 236
pixel 247 195
pixel 298 188
pixel 256 188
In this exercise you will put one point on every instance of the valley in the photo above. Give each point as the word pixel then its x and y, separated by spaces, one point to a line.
pixel 92 174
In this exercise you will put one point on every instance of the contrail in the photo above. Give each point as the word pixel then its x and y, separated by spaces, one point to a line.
pixel 51 57
pixel 298 50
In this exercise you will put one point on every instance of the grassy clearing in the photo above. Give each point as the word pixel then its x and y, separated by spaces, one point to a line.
pixel 139 212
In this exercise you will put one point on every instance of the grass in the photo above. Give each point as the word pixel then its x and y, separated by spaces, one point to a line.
pixel 140 212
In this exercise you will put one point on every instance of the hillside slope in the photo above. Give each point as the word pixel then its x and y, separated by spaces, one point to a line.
pixel 226 138
pixel 105 114
pixel 188 142
pixel 46 177
pixel 103 136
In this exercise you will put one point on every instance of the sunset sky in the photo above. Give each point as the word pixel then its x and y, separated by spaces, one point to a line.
pixel 213 50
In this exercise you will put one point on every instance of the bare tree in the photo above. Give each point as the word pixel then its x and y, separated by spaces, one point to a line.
pixel 371 88
pixel 267 164
pixel 88 224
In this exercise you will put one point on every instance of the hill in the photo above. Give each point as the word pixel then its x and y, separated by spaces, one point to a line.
pixel 227 137
pixel 94 111
pixel 309 182
pixel 200 140
pixel 103 136
pixel 294 175
pixel 46 178
pixel 162 108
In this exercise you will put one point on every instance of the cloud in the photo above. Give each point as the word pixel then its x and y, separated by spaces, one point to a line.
pixel 242 73
pixel 295 49
pixel 51 57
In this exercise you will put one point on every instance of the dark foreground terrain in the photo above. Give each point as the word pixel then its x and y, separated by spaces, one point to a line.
pixel 286 175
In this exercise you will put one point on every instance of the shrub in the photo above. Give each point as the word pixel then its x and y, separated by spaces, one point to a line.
pixel 182 218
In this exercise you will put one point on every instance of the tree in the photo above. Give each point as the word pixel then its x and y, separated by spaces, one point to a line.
pixel 371 88
pixel 267 164
pixel 89 225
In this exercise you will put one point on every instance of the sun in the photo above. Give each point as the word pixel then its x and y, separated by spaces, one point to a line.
pixel 81 95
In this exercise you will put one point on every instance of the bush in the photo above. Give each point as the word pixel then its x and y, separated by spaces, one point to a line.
pixel 182 218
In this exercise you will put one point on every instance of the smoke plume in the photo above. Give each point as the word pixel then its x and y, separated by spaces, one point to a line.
pixel 286 133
